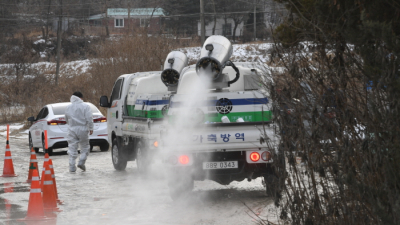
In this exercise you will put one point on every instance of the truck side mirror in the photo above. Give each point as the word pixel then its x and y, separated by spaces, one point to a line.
pixel 144 104
pixel 104 101
pixel 31 119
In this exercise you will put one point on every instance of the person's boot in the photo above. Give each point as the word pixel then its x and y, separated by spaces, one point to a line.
pixel 81 165
pixel 72 168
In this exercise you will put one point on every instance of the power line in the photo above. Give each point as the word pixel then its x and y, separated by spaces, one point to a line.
pixel 166 16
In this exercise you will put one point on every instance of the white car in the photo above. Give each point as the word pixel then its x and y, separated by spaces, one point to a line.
pixel 52 119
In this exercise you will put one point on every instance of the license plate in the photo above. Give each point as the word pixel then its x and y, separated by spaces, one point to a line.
pixel 220 165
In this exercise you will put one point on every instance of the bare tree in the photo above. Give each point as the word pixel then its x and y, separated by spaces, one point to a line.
pixel 337 111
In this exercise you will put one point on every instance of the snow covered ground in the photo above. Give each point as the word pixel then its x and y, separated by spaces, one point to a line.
pixel 102 195
pixel 241 53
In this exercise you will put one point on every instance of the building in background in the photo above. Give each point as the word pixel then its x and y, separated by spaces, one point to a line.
pixel 269 14
pixel 224 27
pixel 123 20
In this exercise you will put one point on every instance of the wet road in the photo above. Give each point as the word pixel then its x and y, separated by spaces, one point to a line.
pixel 102 195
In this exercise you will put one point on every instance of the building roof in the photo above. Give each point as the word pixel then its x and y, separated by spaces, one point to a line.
pixel 135 12
pixel 97 17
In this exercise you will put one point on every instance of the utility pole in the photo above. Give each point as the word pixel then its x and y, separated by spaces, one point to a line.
pixel 106 19
pixel 47 22
pixel 128 22
pixel 203 29
pixel 59 43
pixel 254 18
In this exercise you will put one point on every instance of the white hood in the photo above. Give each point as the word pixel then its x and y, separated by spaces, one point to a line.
pixel 75 99
pixel 79 113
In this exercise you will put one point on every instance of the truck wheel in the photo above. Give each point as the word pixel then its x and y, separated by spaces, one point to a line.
pixel 31 144
pixel 271 185
pixel 118 160
pixel 179 186
pixel 142 161
pixel 104 147
pixel 275 178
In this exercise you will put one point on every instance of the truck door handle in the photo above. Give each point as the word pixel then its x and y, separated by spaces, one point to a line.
pixel 116 114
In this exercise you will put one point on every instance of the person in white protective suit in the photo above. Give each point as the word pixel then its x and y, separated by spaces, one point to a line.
pixel 80 124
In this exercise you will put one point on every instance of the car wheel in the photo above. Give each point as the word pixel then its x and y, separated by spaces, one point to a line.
pixel 118 160
pixel 31 144
pixel 142 161
pixel 49 150
pixel 104 147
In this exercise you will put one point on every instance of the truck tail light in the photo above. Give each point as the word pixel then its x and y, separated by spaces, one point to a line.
pixel 266 156
pixel 290 111
pixel 100 120
pixel 56 122
pixel 179 160
pixel 255 156
pixel 183 159
pixel 330 115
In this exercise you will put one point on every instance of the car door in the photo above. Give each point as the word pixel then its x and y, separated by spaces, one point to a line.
pixel 35 133
pixel 42 124
pixel 115 111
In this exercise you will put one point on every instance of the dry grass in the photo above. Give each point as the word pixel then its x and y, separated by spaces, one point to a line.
pixel 35 87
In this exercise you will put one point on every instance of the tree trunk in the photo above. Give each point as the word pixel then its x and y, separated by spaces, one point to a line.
pixel 47 22
pixel 106 19
pixel 58 49
pixel 129 18
pixel 234 30
pixel 59 30
pixel 215 18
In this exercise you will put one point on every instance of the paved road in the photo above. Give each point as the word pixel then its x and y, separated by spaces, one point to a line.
pixel 102 195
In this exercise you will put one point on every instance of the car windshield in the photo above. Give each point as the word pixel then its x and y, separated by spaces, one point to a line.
pixel 60 109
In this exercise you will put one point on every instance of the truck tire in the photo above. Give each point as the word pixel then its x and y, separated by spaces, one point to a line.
pixel 179 186
pixel 142 161
pixel 117 157
pixel 275 178
pixel 271 185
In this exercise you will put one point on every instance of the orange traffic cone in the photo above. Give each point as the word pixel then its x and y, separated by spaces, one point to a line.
pixel 46 160
pixel 53 176
pixel 33 165
pixel 46 157
pixel 49 197
pixel 8 169
pixel 43 172
pixel 35 205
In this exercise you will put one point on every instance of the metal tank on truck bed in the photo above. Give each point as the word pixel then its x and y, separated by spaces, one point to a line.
pixel 219 124
pixel 136 110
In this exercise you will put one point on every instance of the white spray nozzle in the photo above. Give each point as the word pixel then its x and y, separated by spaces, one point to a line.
pixel 225 119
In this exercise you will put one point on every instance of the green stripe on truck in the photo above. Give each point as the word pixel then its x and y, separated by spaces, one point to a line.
pixel 146 114
pixel 257 116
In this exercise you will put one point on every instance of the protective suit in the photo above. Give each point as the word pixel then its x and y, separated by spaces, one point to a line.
pixel 80 121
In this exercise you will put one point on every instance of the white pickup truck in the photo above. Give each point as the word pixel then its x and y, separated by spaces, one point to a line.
pixel 219 125
pixel 136 110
